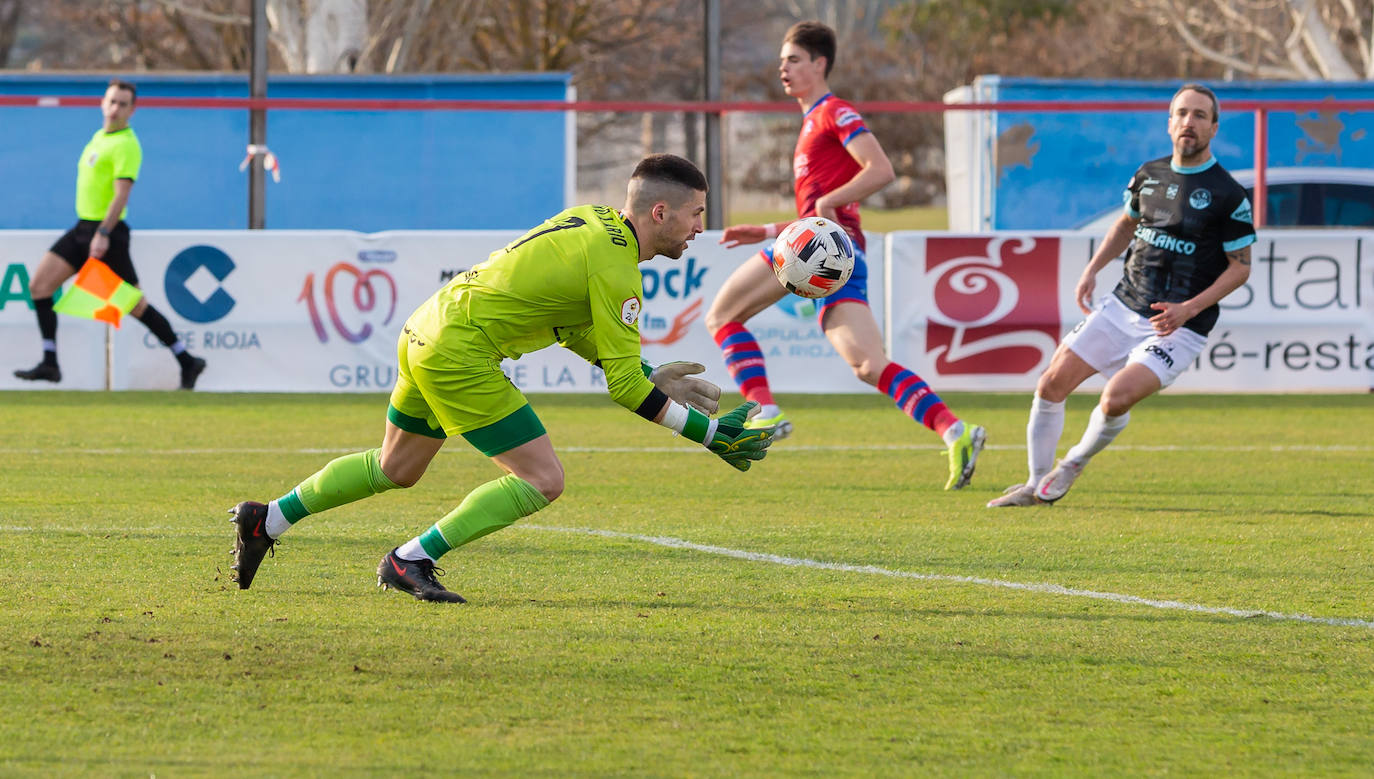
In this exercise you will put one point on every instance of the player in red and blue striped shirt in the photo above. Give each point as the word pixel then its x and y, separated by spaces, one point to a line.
pixel 837 163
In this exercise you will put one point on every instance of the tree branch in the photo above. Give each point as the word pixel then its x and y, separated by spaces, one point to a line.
pixel 204 15
pixel 1316 37
pixel 9 27
pixel 1197 45
pixel 1246 24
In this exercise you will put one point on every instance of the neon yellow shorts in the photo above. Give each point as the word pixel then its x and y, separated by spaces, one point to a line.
pixel 459 391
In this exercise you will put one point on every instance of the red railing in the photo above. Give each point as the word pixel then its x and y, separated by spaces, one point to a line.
pixel 1260 108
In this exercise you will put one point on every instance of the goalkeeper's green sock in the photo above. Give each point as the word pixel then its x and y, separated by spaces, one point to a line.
pixel 343 480
pixel 487 509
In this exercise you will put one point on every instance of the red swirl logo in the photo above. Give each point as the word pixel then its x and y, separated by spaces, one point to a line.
pixel 996 304
pixel 363 300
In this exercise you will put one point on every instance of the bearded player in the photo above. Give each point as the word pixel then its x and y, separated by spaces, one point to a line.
pixel 1186 230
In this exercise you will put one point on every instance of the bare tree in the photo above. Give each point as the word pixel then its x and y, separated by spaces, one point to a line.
pixel 9 27
pixel 1275 39
pixel 319 36
pixel 846 17
pixel 309 36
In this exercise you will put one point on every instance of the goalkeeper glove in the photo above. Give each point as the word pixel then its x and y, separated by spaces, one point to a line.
pixel 727 436
pixel 676 380
pixel 735 444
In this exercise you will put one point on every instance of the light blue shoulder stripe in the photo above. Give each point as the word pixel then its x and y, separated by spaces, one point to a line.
pixel 1239 243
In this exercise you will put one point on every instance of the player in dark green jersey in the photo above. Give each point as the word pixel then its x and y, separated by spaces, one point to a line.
pixel 1187 231
pixel 105 176
pixel 573 280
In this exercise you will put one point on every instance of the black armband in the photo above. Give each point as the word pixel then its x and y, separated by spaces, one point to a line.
pixel 653 404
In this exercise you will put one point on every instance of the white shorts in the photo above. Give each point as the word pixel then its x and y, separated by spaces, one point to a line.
pixel 1113 336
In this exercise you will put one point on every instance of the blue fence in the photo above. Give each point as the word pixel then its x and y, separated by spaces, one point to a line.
pixel 356 170
pixel 1059 168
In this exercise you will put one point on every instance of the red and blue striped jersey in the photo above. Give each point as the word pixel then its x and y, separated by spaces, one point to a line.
pixel 820 163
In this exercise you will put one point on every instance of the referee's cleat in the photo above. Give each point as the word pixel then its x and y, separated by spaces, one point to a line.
pixel 191 371
pixel 782 428
pixel 251 542
pixel 43 371
pixel 963 456
pixel 1016 495
pixel 415 577
pixel 1057 482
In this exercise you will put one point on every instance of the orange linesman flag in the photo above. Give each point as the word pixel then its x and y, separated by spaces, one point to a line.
pixel 99 294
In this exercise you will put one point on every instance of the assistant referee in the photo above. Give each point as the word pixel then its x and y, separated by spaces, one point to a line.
pixel 105 176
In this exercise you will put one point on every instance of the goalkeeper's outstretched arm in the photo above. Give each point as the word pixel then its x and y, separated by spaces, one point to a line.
pixel 726 436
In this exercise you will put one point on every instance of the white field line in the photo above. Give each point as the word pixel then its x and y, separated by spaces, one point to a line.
pixel 679 449
pixel 801 562
pixel 1048 589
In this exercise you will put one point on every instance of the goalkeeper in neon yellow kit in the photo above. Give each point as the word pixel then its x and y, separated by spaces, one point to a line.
pixel 573 280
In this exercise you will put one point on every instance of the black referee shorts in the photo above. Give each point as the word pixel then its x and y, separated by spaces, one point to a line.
pixel 75 246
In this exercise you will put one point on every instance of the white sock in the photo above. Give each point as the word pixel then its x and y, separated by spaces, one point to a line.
pixel 1102 430
pixel 276 521
pixel 1043 429
pixel 768 410
pixel 411 550
pixel 953 432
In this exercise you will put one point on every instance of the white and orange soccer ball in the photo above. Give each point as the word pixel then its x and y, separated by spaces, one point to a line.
pixel 813 257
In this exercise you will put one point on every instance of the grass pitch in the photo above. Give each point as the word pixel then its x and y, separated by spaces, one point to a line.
pixel 831 612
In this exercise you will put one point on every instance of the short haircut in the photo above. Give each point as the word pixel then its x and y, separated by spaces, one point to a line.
pixel 1202 90
pixel 122 84
pixel 664 177
pixel 816 38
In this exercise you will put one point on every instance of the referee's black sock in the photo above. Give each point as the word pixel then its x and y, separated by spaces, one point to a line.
pixel 47 328
pixel 158 325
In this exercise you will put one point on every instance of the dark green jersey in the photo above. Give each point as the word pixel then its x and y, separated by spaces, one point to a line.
pixel 1189 219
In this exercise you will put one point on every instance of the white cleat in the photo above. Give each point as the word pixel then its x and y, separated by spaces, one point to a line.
pixel 1057 482
pixel 1015 495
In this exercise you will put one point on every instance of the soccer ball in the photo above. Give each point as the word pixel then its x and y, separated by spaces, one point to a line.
pixel 813 257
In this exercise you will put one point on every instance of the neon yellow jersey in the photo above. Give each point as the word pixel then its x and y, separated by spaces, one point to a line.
pixel 107 157
pixel 573 280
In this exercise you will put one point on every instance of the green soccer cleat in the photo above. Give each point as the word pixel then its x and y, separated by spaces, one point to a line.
pixel 781 427
pixel 963 456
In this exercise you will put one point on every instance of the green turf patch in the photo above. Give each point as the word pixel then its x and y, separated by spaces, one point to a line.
pixel 831 612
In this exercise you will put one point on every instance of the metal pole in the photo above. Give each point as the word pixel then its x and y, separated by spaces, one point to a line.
pixel 715 203
pixel 257 122
pixel 1260 192
pixel 109 357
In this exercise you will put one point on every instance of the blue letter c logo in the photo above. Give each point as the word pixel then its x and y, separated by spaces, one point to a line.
pixel 182 267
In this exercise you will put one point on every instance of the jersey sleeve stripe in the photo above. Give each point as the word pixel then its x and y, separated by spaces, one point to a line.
pixel 853 135
pixel 1239 243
